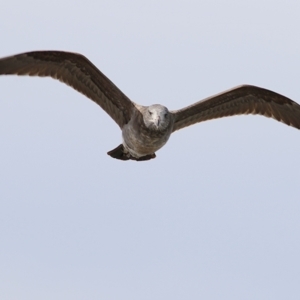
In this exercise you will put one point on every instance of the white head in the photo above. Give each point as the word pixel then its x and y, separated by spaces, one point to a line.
pixel 157 117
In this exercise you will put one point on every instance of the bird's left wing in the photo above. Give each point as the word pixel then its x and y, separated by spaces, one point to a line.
pixel 245 99
pixel 77 71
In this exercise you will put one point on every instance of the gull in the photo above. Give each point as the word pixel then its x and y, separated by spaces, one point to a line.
pixel 146 129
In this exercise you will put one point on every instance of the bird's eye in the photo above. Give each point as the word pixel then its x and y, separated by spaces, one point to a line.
pixel 166 115
pixel 150 113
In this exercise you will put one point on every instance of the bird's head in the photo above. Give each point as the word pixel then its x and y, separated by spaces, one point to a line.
pixel 157 117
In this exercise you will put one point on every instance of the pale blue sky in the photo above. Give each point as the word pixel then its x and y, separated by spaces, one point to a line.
pixel 217 218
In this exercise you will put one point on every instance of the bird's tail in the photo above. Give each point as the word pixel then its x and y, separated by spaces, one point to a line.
pixel 119 153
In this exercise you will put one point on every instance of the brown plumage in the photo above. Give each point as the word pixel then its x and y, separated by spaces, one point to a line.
pixel 244 99
pixel 74 70
pixel 146 129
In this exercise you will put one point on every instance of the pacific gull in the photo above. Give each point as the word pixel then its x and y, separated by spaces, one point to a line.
pixel 145 129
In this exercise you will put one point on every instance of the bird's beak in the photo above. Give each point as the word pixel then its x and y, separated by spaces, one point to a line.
pixel 157 121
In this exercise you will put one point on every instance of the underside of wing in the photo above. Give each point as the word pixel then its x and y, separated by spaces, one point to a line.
pixel 76 71
pixel 244 99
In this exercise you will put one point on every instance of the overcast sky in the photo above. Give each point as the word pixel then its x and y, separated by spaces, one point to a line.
pixel 215 216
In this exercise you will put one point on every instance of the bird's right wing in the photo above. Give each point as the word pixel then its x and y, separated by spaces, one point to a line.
pixel 78 72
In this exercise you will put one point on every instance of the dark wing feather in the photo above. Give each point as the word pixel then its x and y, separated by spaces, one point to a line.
pixel 244 99
pixel 76 71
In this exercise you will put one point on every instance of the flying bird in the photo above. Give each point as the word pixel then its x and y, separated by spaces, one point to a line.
pixel 145 129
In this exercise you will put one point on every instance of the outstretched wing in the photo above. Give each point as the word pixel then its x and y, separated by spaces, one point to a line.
pixel 76 71
pixel 245 99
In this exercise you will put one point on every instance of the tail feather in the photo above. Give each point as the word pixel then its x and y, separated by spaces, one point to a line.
pixel 119 153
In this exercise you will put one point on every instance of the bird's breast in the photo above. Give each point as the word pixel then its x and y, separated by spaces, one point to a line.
pixel 139 141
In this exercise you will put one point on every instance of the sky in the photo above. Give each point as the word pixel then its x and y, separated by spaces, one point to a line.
pixel 215 216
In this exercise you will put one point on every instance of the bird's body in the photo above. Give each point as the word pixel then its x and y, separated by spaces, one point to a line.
pixel 145 129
